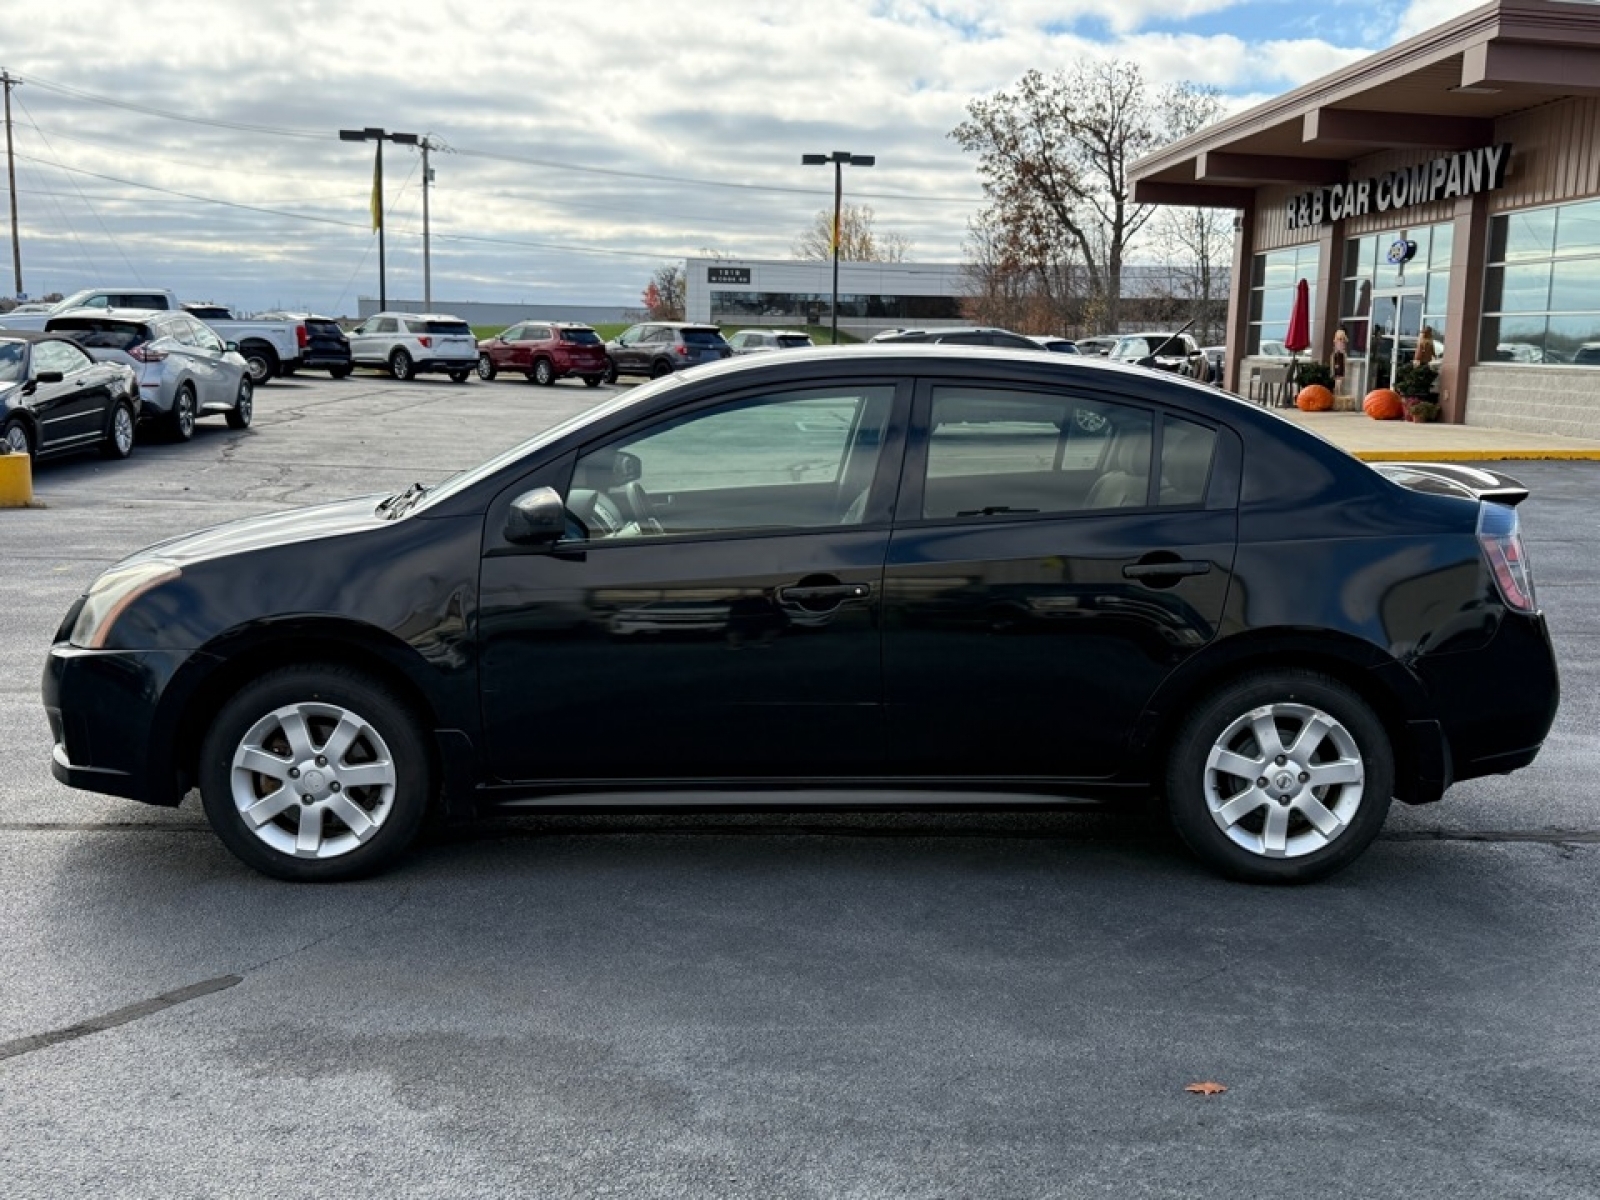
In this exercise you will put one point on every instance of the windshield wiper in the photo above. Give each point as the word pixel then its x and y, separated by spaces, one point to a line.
pixel 397 504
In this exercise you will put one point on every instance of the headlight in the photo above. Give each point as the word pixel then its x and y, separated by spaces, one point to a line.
pixel 110 595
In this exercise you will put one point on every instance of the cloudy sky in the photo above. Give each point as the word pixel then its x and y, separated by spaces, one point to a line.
pixel 193 144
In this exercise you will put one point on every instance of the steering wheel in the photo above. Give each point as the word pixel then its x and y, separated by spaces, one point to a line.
pixel 639 507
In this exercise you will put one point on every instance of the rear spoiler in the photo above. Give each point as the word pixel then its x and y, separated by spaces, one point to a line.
pixel 1454 479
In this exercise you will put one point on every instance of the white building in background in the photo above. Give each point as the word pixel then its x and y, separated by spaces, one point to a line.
pixel 873 296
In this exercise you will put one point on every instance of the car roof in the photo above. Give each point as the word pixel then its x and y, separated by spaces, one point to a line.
pixel 416 316
pixel 33 335
pixel 114 314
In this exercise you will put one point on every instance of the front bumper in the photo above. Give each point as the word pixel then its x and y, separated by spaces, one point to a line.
pixel 103 710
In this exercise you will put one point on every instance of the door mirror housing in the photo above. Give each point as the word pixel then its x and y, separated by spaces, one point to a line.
pixel 49 377
pixel 536 518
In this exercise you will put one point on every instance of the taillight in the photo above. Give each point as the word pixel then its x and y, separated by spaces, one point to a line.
pixel 680 348
pixel 1500 535
pixel 146 353
pixel 301 337
pixel 425 342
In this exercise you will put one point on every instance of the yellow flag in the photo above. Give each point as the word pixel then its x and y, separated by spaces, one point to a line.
pixel 377 197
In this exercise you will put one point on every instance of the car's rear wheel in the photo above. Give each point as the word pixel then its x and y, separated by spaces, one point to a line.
pixel 1280 777
pixel 315 773
pixel 486 368
pixel 261 362
pixel 659 368
pixel 611 370
pixel 15 436
pixel 180 421
pixel 401 366
pixel 244 406
pixel 118 442
pixel 543 373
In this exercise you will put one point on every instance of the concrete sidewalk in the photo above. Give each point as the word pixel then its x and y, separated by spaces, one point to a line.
pixel 1402 441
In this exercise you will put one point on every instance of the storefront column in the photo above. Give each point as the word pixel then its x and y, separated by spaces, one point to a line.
pixel 1464 305
pixel 1330 280
pixel 1237 331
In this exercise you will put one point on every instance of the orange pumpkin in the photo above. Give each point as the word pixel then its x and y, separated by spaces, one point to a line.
pixel 1383 405
pixel 1314 398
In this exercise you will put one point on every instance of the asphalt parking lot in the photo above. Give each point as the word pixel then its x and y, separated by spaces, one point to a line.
pixel 802 1005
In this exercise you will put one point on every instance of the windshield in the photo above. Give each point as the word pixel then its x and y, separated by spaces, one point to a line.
pixel 73 301
pixel 11 356
pixel 462 480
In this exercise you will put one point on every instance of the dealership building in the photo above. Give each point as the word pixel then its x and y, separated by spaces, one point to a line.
pixel 1451 182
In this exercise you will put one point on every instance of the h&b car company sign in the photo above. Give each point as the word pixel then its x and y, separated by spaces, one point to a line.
pixel 1444 178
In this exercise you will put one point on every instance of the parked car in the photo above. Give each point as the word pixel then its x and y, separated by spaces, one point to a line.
pixel 185 370
pixel 1217 356
pixel 760 341
pixel 323 344
pixel 1164 351
pixel 409 344
pixel 95 297
pixel 1100 345
pixel 26 307
pixel 270 345
pixel 967 335
pixel 658 348
pixel 866 568
pixel 1056 345
pixel 1587 355
pixel 545 351
pixel 55 399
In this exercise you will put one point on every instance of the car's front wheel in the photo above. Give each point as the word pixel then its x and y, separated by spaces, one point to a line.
pixel 339 372
pixel 1280 777
pixel 591 381
pixel 15 437
pixel 486 368
pixel 401 366
pixel 315 773
pixel 460 376
pixel 611 370
pixel 244 405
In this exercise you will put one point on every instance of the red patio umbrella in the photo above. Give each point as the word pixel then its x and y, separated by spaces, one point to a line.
pixel 1298 337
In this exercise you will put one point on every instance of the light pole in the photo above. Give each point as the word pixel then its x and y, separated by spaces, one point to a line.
pixel 838 158
pixel 371 134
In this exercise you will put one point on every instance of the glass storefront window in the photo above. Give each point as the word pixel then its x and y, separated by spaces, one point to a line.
pixel 1275 276
pixel 1541 298
pixel 1578 229
pixel 1444 238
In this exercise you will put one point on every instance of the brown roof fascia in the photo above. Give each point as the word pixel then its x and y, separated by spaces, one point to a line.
pixel 1552 22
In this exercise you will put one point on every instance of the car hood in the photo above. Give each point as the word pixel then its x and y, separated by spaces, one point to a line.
pixel 274 529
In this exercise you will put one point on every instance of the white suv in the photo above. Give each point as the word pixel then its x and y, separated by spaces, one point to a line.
pixel 405 344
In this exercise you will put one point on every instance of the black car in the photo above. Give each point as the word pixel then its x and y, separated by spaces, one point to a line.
pixel 323 344
pixel 657 348
pixel 966 335
pixel 921 570
pixel 55 399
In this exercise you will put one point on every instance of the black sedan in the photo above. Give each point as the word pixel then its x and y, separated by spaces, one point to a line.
pixel 55 399
pixel 926 571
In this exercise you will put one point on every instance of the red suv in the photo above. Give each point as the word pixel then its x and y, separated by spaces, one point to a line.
pixel 544 351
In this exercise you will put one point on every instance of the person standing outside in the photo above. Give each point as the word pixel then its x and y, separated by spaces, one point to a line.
pixel 1426 350
pixel 1341 355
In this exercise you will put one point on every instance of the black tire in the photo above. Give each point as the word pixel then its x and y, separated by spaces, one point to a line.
pixel 401 366
pixel 311 797
pixel 611 370
pixel 120 423
pixel 486 368
pixel 543 373
pixel 591 381
pixel 339 372
pixel 180 421
pixel 261 361
pixel 659 368
pixel 244 407
pixel 460 376
pixel 1231 821
pixel 16 435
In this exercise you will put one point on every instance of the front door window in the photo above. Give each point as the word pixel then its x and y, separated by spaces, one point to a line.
pixel 1396 326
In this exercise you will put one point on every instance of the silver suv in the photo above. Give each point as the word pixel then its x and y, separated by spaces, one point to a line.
pixel 185 370
pixel 407 344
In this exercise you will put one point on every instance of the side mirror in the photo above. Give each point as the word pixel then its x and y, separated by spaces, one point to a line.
pixel 49 377
pixel 536 518
pixel 234 346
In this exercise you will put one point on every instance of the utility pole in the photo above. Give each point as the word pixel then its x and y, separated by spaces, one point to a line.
pixel 11 182
pixel 427 262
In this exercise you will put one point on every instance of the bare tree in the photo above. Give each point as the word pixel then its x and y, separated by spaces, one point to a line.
pixel 1196 244
pixel 664 296
pixel 858 240
pixel 1054 152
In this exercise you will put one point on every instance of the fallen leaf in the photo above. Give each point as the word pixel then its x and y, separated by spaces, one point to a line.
pixel 1206 1089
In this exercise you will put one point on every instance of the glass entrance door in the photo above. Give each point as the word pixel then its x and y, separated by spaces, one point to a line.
pixel 1396 326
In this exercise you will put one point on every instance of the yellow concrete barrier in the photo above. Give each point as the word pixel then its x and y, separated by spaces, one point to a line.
pixel 16 481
